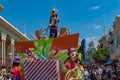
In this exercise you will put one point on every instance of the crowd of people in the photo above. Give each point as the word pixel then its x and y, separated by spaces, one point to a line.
pixel 74 66
pixel 14 73
pixel 102 72
pixel 92 72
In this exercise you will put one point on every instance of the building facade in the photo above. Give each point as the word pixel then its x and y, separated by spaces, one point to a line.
pixel 103 41
pixel 111 45
pixel 91 49
pixel 116 38
pixel 8 34
pixel 112 40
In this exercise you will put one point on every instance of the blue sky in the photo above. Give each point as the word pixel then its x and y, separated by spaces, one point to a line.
pixel 88 17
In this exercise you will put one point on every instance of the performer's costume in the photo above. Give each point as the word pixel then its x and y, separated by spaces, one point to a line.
pixel 16 69
pixel 73 64
pixel 72 59
pixel 53 23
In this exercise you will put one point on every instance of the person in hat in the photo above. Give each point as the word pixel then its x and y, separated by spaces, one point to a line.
pixel 53 24
pixel 72 58
pixel 16 69
pixel 73 63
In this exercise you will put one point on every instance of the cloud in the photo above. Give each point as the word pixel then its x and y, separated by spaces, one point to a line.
pixel 94 26
pixel 95 7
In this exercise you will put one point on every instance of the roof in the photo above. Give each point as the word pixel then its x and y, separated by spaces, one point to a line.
pixel 12 28
pixel 104 37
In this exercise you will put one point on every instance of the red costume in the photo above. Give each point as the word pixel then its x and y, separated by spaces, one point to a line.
pixel 16 70
pixel 72 59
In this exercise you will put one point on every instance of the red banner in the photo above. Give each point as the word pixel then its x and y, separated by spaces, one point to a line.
pixel 23 45
pixel 62 43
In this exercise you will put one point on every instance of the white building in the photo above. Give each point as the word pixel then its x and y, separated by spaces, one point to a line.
pixel 8 34
pixel 91 49
pixel 112 40
pixel 116 39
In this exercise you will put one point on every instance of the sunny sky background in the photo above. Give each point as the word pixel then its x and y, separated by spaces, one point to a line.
pixel 88 17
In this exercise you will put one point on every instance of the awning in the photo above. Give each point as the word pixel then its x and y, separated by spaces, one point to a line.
pixel 109 62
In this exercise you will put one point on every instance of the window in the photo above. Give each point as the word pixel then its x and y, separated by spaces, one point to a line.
pixel 118 40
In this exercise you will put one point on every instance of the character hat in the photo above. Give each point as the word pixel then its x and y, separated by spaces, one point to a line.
pixel 16 59
pixel 71 50
pixel 54 9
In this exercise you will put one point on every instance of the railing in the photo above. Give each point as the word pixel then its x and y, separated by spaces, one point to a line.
pixel 46 31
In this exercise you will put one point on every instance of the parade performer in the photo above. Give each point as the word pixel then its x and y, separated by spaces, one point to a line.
pixel 16 69
pixel 53 24
pixel 74 66
pixel 4 73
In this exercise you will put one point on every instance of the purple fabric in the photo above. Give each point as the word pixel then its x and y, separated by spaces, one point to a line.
pixel 71 49
pixel 17 78
pixel 53 32
pixel 26 51
pixel 16 59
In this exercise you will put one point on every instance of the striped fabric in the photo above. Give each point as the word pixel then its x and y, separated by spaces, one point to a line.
pixel 42 70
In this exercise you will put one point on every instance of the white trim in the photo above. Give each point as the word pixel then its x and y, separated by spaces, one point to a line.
pixel 2 53
pixel 11 26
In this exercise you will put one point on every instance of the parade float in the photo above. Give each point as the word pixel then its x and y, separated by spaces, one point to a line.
pixel 44 57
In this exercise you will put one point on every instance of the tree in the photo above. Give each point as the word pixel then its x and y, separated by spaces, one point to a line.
pixel 101 55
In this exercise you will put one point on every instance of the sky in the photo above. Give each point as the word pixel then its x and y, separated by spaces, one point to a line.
pixel 88 17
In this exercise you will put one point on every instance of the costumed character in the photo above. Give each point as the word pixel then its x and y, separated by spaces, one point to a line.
pixel 53 23
pixel 4 73
pixel 74 66
pixel 16 69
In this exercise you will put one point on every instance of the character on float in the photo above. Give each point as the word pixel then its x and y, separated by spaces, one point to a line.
pixel 16 69
pixel 74 65
pixel 53 24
